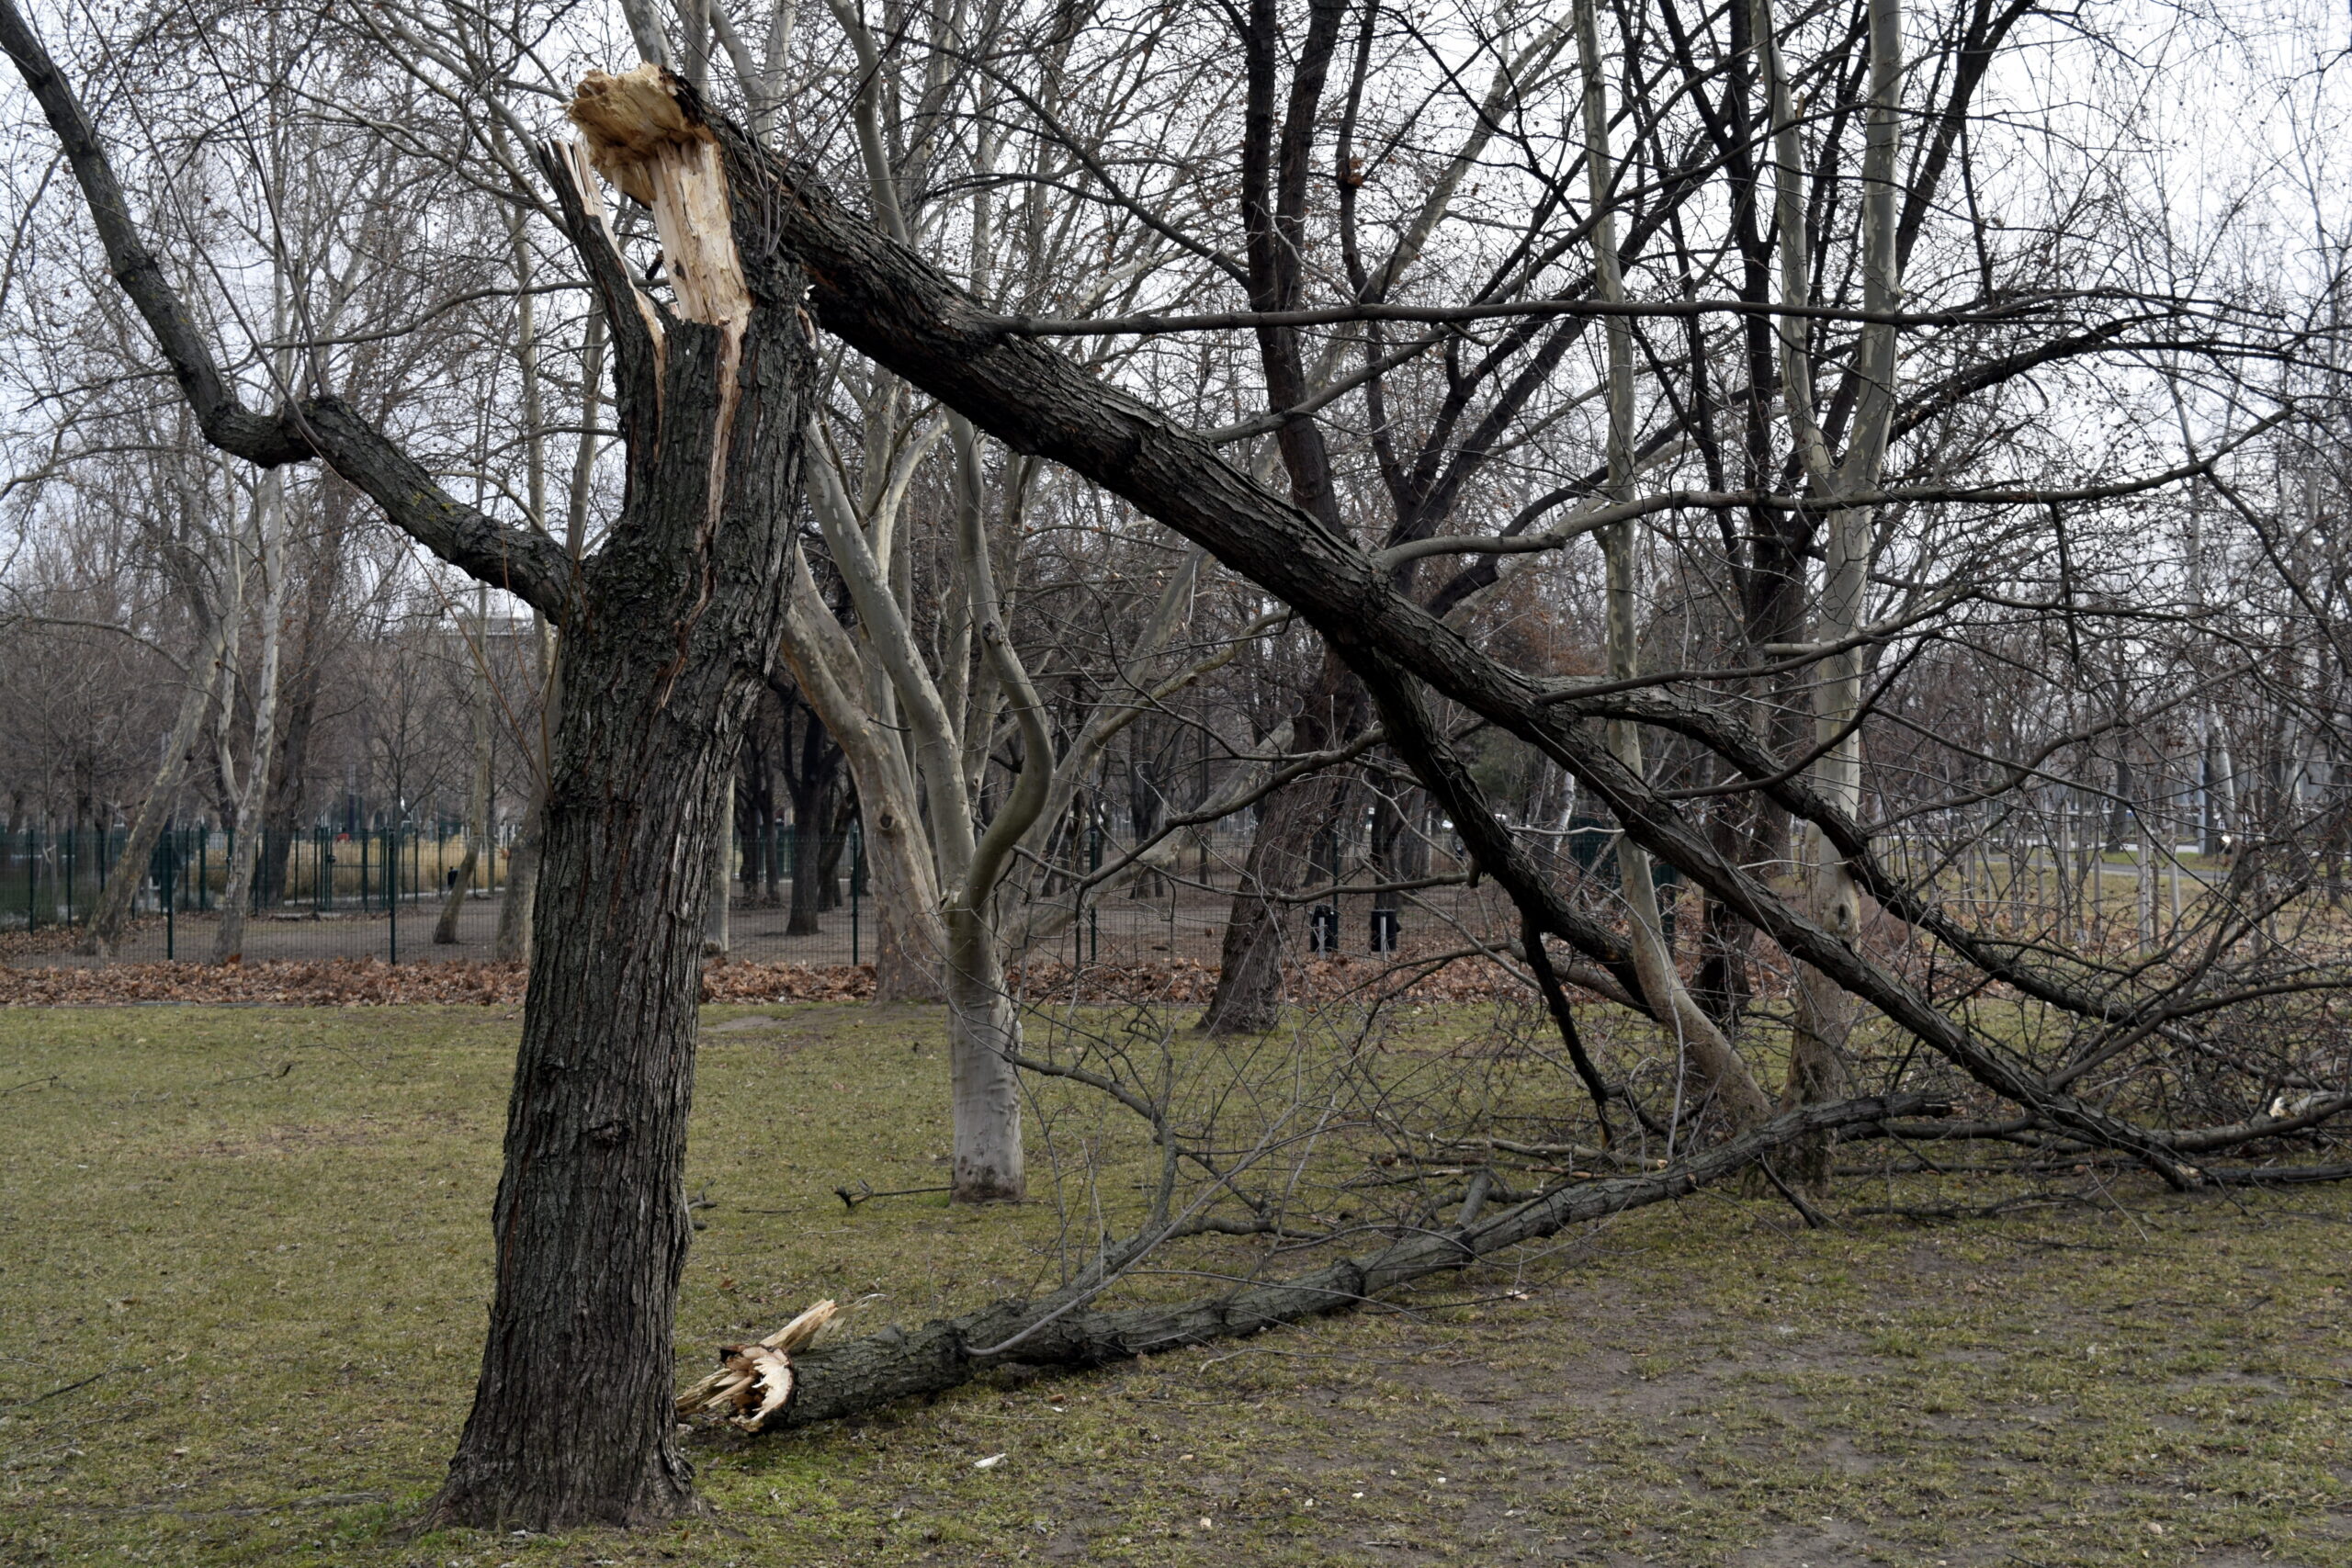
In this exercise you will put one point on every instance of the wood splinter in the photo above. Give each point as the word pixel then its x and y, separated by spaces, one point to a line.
pixel 755 1382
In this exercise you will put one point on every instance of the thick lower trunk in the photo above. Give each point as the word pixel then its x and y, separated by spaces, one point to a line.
pixel 909 941
pixel 571 1419
pixel 983 1038
pixel 1248 999
pixel 237 899
pixel 680 611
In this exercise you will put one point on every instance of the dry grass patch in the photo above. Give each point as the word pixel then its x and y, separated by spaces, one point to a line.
pixel 240 1310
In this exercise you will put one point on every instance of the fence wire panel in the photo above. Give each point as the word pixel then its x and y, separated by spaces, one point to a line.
pixel 320 894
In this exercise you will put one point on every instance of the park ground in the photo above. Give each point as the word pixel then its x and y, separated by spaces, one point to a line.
pixel 244 1263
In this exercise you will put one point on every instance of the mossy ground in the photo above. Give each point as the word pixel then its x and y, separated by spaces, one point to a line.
pixel 261 1233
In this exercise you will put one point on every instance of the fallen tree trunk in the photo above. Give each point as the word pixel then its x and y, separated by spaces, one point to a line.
pixel 844 1378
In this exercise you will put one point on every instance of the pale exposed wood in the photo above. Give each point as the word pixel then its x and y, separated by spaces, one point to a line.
pixel 640 136
pixel 754 1383
pixel 574 160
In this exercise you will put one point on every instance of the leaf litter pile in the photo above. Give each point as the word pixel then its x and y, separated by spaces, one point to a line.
pixel 370 982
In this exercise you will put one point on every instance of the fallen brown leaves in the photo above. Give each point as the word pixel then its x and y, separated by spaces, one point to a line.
pixel 370 982
pixel 732 982
pixel 332 982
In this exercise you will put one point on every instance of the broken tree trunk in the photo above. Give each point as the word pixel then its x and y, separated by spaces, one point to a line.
pixel 680 614
pixel 850 1376
pixel 669 630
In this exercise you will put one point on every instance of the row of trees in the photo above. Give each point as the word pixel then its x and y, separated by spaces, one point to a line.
pixel 1819 445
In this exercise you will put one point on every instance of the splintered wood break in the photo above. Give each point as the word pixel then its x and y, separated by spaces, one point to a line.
pixel 641 138
pixel 754 1383
pixel 574 159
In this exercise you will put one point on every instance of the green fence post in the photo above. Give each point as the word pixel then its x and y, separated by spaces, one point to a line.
pixel 171 858
pixel 856 881
pixel 392 895
pixel 1093 915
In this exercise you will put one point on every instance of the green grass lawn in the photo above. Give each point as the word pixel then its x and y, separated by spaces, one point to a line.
pixel 243 1264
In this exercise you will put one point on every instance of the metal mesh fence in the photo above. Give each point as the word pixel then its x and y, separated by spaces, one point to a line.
pixel 322 894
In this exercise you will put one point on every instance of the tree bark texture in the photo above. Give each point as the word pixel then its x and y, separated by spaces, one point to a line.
pixel 681 611
pixel 1248 999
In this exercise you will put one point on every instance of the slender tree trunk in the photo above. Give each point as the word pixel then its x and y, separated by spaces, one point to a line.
pixel 811 865
pixel 453 904
pixel 237 894
pixel 833 844
pixel 130 868
pixel 323 559
pixel 983 1029
pixel 1824 1013
pixel 1718 1065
